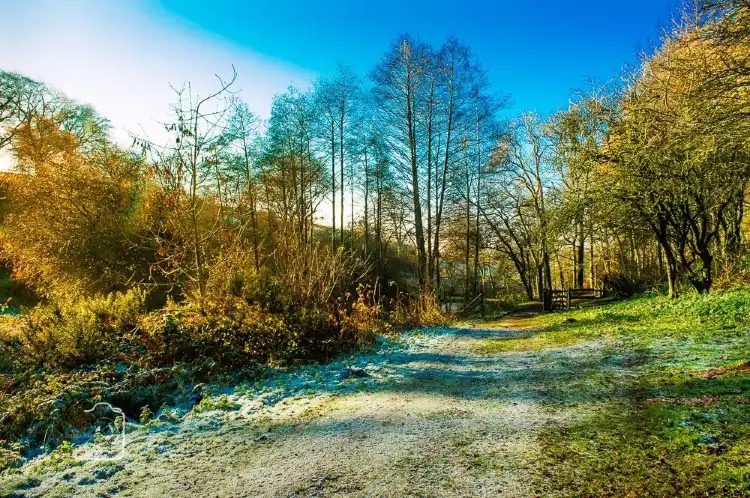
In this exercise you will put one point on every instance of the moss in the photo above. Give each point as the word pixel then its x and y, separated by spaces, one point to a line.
pixel 210 403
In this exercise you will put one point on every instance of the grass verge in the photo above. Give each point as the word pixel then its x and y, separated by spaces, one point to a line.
pixel 675 419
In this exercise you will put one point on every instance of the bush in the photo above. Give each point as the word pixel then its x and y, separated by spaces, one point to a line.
pixel 421 311
pixel 727 308
pixel 230 332
pixel 621 287
pixel 366 320
pixel 40 408
pixel 74 333
pixel 56 361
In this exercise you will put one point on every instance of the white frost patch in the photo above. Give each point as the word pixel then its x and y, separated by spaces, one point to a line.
pixel 420 413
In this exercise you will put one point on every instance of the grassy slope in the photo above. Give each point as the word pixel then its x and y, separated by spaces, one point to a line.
pixel 672 420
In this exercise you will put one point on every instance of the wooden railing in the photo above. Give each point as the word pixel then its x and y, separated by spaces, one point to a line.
pixel 587 293
pixel 559 299
pixel 477 300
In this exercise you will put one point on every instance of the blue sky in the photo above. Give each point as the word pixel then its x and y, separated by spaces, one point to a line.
pixel 122 56
pixel 536 50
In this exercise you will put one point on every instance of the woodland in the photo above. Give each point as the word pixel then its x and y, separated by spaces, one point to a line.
pixel 363 207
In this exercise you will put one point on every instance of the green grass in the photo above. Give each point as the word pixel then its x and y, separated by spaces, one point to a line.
pixel 659 449
pixel 528 342
pixel 668 412
pixel 637 322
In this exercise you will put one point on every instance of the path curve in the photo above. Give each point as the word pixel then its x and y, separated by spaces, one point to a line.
pixel 422 416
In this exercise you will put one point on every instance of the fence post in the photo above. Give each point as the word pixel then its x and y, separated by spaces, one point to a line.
pixel 484 312
pixel 550 299
pixel 567 300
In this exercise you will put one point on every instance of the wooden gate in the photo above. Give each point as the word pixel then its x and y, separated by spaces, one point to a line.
pixel 559 299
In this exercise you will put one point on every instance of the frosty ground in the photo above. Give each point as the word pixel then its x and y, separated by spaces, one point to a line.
pixel 426 414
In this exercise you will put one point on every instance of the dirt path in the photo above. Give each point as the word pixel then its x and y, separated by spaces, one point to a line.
pixel 423 416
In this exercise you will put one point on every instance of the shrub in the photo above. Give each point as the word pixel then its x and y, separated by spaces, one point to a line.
pixel 419 311
pixel 76 333
pixel 366 320
pixel 68 224
pixel 145 416
pixel 9 454
pixel 40 407
pixel 621 287
pixel 209 403
pixel 229 332
pixel 728 308
pixel 56 361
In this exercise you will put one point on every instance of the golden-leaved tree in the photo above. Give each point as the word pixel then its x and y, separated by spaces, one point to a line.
pixel 679 153
pixel 71 208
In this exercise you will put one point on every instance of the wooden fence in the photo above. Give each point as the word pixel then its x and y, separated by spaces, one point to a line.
pixel 477 301
pixel 559 299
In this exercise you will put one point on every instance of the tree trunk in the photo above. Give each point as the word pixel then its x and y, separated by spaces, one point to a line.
pixel 251 193
pixel 367 195
pixel 592 264
pixel 479 186
pixel 443 183
pixel 547 271
pixel 378 225
pixel 540 281
pixel 467 297
pixel 333 185
pixel 418 229
pixel 580 268
pixel 672 278
pixel 341 168
pixel 704 278
pixel 671 261
pixel 430 260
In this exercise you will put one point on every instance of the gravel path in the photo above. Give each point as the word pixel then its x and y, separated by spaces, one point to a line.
pixel 421 416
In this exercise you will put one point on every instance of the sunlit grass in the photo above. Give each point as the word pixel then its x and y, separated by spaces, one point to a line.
pixel 640 321
pixel 530 343
pixel 676 420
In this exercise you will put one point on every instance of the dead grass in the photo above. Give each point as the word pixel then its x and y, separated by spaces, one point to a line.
pixel 713 373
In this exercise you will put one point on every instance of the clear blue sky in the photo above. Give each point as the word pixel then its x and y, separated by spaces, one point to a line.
pixel 121 57
pixel 537 50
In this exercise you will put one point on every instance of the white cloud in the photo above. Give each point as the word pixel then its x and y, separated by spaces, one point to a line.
pixel 121 57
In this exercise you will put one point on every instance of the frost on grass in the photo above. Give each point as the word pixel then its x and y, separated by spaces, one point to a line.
pixel 421 412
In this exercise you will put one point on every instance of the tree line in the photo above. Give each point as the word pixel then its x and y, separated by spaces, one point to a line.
pixel 411 179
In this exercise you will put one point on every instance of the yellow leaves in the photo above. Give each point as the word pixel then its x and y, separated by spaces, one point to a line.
pixel 67 215
pixel 40 140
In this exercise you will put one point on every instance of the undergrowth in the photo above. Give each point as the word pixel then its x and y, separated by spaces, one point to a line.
pixel 58 360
